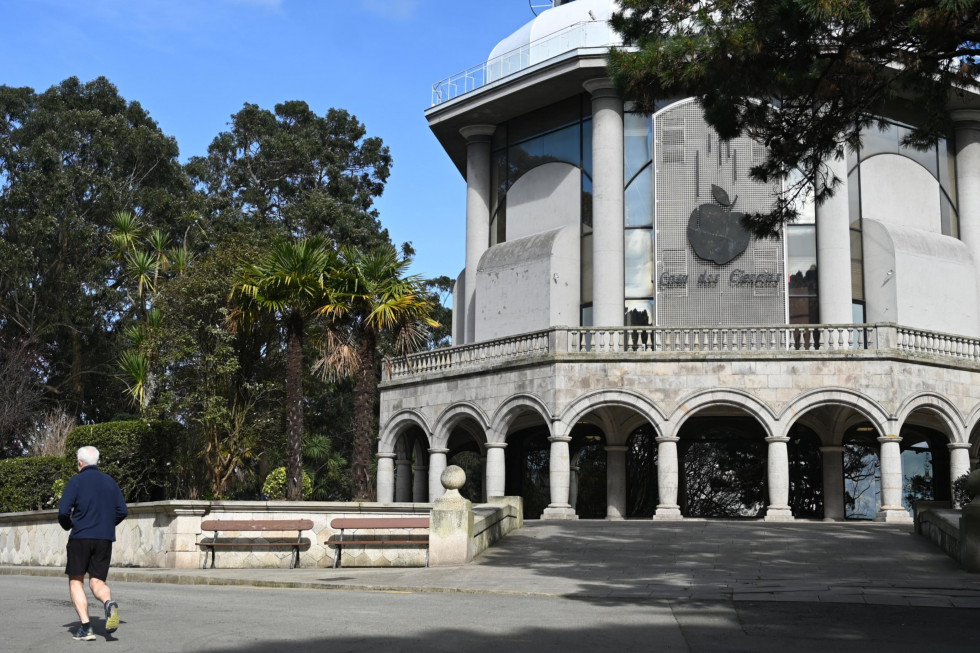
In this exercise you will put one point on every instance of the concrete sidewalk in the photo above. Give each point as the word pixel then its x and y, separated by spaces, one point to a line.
pixel 875 564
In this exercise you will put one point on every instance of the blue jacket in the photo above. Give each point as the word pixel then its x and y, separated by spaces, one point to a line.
pixel 91 505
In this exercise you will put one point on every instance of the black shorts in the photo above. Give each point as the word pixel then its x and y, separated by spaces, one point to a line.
pixel 89 556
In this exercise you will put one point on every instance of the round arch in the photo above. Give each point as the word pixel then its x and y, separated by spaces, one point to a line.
pixel 451 417
pixel 398 423
pixel 738 399
pixel 835 397
pixel 600 399
pixel 948 414
pixel 514 407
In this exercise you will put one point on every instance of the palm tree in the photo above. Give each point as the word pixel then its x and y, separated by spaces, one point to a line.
pixel 290 283
pixel 371 296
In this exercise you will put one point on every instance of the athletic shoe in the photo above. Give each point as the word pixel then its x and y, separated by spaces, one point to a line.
pixel 111 616
pixel 84 632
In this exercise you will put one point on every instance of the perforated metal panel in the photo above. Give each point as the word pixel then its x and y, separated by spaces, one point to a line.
pixel 689 160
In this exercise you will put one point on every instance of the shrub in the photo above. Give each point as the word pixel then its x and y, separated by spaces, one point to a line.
pixel 139 454
pixel 27 483
pixel 960 495
pixel 274 488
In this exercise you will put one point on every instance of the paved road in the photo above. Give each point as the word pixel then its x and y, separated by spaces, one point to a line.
pixel 158 617
pixel 688 586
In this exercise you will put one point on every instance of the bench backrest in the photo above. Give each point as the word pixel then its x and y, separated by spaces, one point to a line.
pixel 257 525
pixel 380 522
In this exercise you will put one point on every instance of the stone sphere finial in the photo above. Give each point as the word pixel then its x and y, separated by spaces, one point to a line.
pixel 453 477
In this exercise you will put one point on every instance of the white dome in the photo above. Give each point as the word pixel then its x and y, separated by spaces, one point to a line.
pixel 562 18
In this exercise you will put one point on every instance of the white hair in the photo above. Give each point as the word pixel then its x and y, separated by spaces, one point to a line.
pixel 88 456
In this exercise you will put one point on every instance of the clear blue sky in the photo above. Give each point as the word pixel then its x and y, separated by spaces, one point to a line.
pixel 193 63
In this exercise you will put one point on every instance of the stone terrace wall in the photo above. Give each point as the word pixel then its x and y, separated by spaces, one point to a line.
pixel 166 534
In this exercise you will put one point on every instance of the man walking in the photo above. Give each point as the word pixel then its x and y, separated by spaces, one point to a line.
pixel 91 506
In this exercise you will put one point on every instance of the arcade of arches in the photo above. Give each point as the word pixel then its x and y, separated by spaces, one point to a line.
pixel 616 456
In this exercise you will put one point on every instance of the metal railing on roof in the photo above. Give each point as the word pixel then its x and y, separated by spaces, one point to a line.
pixel 580 35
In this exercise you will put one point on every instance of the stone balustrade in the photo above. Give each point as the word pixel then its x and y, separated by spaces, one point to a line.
pixel 830 339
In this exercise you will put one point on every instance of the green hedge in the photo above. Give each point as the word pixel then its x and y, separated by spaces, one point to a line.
pixel 25 483
pixel 138 454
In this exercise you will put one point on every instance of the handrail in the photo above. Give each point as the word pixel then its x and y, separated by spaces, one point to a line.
pixel 579 35
pixel 658 341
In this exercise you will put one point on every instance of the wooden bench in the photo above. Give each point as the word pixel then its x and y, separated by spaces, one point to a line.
pixel 264 525
pixel 375 539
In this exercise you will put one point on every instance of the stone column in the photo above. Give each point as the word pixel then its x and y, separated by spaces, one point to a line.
pixel 573 486
pixel 834 252
pixel 608 283
pixel 420 483
pixel 615 482
pixel 386 477
pixel 891 509
pixel 403 480
pixel 967 125
pixel 777 469
pixel 833 483
pixel 496 469
pixel 477 217
pixel 959 460
pixel 560 469
pixel 437 464
pixel 667 479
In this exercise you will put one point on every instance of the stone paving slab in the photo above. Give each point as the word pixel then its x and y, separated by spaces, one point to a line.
pixel 878 564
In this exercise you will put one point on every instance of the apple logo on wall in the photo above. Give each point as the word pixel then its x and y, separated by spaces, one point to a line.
pixel 715 232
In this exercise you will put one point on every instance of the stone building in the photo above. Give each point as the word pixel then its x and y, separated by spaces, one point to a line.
pixel 624 349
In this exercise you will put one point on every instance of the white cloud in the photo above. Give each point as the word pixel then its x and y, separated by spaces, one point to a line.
pixel 392 9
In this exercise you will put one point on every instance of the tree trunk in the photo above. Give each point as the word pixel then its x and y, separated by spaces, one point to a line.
pixel 365 402
pixel 294 406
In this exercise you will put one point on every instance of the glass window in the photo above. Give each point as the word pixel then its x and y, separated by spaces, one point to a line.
pixel 875 140
pixel 638 138
pixel 586 283
pixel 925 158
pixel 639 313
pixel 804 205
pixel 498 225
pixel 562 145
pixel 498 181
pixel 586 204
pixel 857 313
pixel 801 263
pixel 587 146
pixel 586 316
pixel 857 267
pixel 854 198
pixel 950 220
pixel 546 119
pixel 638 209
pixel 639 262
pixel 947 169
pixel 804 310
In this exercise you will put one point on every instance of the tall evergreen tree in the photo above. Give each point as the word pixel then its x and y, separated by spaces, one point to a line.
pixel 70 159
pixel 292 172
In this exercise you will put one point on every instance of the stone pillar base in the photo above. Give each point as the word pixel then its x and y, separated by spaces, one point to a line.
pixel 552 512
pixel 778 514
pixel 894 515
pixel 615 517
pixel 668 513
